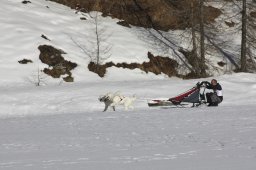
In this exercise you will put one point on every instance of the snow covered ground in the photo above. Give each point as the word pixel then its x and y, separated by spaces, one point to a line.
pixel 187 139
pixel 62 126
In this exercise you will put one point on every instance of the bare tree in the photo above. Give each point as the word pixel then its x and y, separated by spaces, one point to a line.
pixel 248 35
pixel 102 48
pixel 202 39
pixel 244 37
pixel 38 78
pixel 197 23
pixel 97 48
pixel 161 38
pixel 194 39
pixel 251 35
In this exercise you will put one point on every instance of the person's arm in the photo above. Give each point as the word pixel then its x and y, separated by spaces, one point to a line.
pixel 208 85
pixel 218 87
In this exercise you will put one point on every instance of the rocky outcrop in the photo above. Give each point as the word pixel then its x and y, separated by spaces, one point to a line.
pixel 25 61
pixel 26 2
pixel 57 64
pixel 156 65
pixel 161 14
pixel 253 14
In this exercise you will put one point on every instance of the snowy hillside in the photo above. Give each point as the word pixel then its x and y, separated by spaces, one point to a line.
pixel 23 25
pixel 61 125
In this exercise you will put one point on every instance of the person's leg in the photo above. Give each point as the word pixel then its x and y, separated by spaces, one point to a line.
pixel 214 104
pixel 221 98
pixel 208 98
pixel 215 100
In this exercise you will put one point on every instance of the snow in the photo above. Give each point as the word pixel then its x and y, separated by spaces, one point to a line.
pixel 61 125
pixel 196 139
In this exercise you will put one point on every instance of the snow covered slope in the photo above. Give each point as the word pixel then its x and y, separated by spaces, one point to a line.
pixel 23 24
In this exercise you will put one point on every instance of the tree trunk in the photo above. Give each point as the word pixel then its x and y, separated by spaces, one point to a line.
pixel 202 39
pixel 194 43
pixel 243 40
pixel 97 41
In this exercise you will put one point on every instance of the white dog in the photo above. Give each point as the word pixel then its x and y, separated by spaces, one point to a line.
pixel 114 99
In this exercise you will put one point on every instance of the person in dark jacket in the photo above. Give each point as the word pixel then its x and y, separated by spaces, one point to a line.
pixel 215 97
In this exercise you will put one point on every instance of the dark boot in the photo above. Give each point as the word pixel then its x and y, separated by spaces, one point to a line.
pixel 213 104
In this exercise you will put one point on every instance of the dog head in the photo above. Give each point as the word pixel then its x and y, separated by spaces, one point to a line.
pixel 106 97
pixel 102 98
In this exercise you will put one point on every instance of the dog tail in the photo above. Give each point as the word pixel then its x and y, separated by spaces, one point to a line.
pixel 117 93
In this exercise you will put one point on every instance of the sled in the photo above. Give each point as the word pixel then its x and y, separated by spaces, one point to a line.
pixel 194 96
pixel 165 104
pixel 159 102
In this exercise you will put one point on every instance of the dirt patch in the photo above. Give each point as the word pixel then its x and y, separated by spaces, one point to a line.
pixel 25 61
pixel 162 14
pixel 211 14
pixel 221 63
pixel 156 65
pixel 253 14
pixel 230 24
pixel 83 18
pixel 124 23
pixel 45 37
pixel 98 69
pixel 26 2
pixel 57 64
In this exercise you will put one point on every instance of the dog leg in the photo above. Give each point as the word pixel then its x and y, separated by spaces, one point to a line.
pixel 106 108
pixel 114 108
pixel 125 107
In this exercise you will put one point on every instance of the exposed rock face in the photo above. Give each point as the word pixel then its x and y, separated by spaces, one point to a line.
pixel 162 14
pixel 25 2
pixel 59 66
pixel 156 65
pixel 253 14
pixel 25 61
pixel 230 24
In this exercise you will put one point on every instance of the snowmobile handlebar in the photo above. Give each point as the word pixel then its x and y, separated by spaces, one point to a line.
pixel 202 84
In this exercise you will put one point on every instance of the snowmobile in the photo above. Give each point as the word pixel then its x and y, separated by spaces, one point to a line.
pixel 194 96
